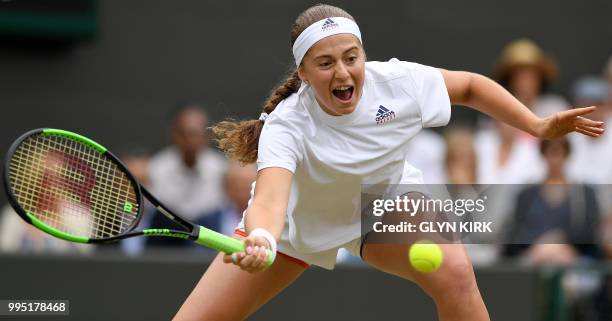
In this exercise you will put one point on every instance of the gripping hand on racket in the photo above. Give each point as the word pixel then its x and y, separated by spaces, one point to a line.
pixel 255 256
pixel 264 219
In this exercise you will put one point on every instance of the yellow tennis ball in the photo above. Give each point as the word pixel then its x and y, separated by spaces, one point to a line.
pixel 425 256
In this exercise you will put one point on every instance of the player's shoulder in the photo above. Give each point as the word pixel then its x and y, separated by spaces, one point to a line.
pixel 381 71
pixel 289 112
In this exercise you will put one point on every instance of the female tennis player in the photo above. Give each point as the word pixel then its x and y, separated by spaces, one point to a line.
pixel 335 123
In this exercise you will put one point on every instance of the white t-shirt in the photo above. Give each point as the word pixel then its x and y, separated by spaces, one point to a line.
pixel 548 104
pixel 524 164
pixel 331 156
pixel 193 193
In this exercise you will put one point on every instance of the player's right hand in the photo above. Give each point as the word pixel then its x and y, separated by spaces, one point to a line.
pixel 254 258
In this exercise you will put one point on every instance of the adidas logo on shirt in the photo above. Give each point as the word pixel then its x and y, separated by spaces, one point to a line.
pixel 384 115
pixel 328 25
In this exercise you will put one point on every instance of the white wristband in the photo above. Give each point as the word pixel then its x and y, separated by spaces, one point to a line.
pixel 269 237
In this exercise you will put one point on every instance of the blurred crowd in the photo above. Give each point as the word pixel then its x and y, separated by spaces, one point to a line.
pixel 558 194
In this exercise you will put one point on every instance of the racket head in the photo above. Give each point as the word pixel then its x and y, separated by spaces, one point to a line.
pixel 71 187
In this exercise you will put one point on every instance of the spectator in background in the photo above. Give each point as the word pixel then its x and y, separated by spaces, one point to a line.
pixel 188 176
pixel 238 181
pixel 608 76
pixel 555 222
pixel 17 236
pixel 460 158
pixel 504 158
pixel 507 155
pixel 592 161
pixel 527 73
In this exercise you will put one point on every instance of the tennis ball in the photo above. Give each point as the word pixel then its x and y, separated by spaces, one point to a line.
pixel 425 256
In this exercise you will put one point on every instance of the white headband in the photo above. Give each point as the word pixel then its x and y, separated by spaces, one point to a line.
pixel 321 29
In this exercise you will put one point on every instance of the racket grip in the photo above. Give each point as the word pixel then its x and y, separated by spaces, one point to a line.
pixel 224 243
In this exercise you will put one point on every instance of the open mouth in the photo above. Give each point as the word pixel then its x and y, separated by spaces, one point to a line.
pixel 344 93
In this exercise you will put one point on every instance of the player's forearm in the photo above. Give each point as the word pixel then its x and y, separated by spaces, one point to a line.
pixel 266 217
pixel 487 96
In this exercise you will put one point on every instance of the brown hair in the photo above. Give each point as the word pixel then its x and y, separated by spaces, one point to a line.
pixel 239 139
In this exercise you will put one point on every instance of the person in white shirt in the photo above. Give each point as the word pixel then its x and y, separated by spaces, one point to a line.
pixel 504 158
pixel 188 176
pixel 336 123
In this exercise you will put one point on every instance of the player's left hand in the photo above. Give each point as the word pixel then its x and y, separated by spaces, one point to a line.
pixel 564 122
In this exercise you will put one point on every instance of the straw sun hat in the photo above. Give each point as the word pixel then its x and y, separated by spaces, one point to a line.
pixel 525 53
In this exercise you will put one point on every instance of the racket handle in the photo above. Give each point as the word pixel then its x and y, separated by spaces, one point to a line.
pixel 224 243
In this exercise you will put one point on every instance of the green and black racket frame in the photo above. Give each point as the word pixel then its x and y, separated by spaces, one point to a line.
pixel 73 188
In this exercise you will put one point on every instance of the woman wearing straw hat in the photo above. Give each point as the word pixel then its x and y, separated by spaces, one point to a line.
pixel 507 155
pixel 527 72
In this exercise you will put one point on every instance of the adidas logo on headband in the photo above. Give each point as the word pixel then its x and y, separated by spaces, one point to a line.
pixel 328 25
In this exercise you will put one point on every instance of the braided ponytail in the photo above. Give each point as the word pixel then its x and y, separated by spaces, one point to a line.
pixel 239 139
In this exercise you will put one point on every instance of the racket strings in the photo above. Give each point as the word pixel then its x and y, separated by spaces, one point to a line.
pixel 71 207
pixel 54 190
pixel 72 187
pixel 110 195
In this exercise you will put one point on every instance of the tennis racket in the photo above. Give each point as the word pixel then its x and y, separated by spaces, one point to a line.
pixel 73 188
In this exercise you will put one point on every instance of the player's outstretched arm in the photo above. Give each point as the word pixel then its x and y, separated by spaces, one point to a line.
pixel 264 219
pixel 485 95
